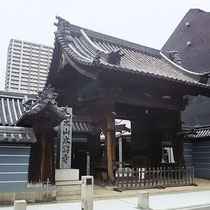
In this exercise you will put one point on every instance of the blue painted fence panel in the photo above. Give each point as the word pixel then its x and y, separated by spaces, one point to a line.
pixel 188 153
pixel 14 162
pixel 21 176
pixel 14 159
pixel 201 159
pixel 11 186
pixel 12 168
pixel 4 150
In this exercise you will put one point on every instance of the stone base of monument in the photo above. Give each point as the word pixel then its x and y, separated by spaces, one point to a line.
pixel 68 185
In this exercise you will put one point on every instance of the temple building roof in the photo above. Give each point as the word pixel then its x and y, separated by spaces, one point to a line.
pixel 81 125
pixel 196 132
pixel 44 108
pixel 85 49
pixel 13 105
pixel 11 134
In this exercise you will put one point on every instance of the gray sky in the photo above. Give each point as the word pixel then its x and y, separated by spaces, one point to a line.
pixel 146 22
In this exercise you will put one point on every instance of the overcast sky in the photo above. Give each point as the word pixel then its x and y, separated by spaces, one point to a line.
pixel 146 22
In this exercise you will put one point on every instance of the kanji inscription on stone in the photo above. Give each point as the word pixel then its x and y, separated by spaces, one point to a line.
pixel 66 139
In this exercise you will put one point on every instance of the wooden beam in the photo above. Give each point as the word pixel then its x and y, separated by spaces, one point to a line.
pixel 130 97
pixel 153 102
pixel 155 83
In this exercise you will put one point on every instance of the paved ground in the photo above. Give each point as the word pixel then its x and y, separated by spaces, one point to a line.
pixel 169 198
pixel 101 192
pixel 157 202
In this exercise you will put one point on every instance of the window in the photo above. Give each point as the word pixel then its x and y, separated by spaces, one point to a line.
pixel 16 41
pixel 16 57
pixel 14 64
pixel 18 61
pixel 23 89
pixel 25 62
pixel 24 79
pixel 15 45
pixel 15 76
pixel 24 85
pixel 24 74
pixel 14 84
pixel 15 49
pixel 16 53
pixel 25 66
pixel 13 88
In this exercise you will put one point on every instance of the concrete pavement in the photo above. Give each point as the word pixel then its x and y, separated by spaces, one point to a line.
pixel 168 198
pixel 187 200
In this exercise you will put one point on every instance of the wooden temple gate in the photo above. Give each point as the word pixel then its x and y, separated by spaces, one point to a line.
pixel 146 143
pixel 105 78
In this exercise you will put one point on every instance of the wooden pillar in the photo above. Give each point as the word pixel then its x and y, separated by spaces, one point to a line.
pixel 41 164
pixel 155 148
pixel 47 165
pixel 178 145
pixel 178 149
pixel 110 146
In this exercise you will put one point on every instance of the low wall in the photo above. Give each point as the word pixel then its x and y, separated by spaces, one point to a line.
pixel 30 197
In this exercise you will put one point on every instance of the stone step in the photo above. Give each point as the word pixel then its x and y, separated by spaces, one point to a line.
pixel 66 183
pixel 68 193
pixel 66 198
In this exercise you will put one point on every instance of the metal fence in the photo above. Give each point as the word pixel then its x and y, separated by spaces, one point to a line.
pixel 139 178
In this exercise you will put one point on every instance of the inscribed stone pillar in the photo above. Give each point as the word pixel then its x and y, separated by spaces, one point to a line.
pixel 66 140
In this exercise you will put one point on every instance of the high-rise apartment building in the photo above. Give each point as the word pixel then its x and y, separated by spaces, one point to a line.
pixel 27 66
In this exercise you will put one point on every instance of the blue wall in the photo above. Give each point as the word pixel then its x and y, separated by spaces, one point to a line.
pixel 188 153
pixel 14 162
pixel 197 154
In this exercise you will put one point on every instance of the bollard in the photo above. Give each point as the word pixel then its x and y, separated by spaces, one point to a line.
pixel 143 201
pixel 87 193
pixel 20 205
pixel 88 164
pixel 47 189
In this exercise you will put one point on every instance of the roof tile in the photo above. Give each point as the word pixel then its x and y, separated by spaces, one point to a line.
pixel 90 48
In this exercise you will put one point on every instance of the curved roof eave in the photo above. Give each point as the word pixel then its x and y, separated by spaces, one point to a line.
pixel 181 69
pixel 49 108
pixel 79 62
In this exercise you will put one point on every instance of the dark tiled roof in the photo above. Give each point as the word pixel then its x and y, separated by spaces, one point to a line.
pixel 46 100
pixel 11 134
pixel 12 108
pixel 81 124
pixel 196 133
pixel 89 48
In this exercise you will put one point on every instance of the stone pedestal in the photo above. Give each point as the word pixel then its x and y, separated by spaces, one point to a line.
pixel 20 205
pixel 67 183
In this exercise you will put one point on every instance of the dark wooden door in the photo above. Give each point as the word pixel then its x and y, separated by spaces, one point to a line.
pixel 140 137
pixel 79 157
